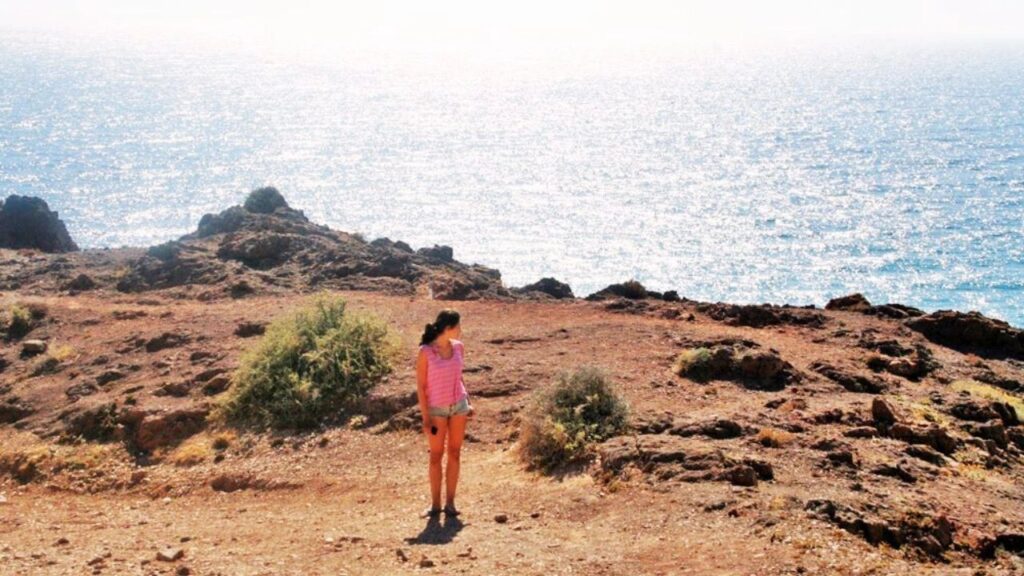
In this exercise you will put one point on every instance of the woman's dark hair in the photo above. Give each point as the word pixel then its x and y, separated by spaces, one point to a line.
pixel 445 319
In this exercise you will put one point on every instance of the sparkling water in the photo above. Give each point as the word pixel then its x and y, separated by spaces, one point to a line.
pixel 775 176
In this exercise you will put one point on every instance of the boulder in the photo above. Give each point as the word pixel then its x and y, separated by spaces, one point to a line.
pixel 669 457
pixel 852 302
pixel 80 283
pixel 971 332
pixel 849 380
pixel 631 290
pixel 167 428
pixel 548 286
pixel 28 222
pixel 437 252
pixel 753 367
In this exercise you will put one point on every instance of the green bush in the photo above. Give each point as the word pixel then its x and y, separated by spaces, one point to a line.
pixel 564 419
pixel 16 322
pixel 695 363
pixel 310 366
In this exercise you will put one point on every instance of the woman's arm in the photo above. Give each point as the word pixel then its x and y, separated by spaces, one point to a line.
pixel 421 387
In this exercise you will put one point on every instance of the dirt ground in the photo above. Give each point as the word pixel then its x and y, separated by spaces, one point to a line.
pixel 347 499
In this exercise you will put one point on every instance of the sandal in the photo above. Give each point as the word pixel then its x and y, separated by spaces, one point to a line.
pixel 450 510
pixel 431 513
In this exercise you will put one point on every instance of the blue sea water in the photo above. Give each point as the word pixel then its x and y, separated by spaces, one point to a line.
pixel 774 176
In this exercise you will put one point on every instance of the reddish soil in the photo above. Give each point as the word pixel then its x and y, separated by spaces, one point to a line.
pixel 345 499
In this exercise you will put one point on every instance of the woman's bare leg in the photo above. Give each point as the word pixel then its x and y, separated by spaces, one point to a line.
pixel 456 432
pixel 436 453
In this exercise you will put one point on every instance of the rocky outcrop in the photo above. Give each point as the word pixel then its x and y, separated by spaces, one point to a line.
pixel 761 315
pixel 267 245
pixel 932 535
pixel 546 286
pixel 858 303
pixel 742 362
pixel 971 332
pixel 850 380
pixel 671 457
pixel 28 222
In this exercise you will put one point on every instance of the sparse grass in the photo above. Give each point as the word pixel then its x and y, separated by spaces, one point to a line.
pixel 23 463
pixel 53 361
pixel 84 457
pixel 223 440
pixel 922 410
pixel 774 438
pixel 694 363
pixel 16 321
pixel 310 366
pixel 563 420
pixel 193 451
pixel 989 392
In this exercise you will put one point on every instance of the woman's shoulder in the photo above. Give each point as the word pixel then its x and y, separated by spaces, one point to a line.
pixel 457 343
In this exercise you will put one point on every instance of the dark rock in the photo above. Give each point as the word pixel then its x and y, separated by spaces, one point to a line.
pixel 265 201
pixel 81 283
pixel 229 220
pixel 718 429
pixel 630 289
pixel 926 453
pixel 761 315
pixel 842 458
pixel 883 414
pixel 166 340
pixel 852 382
pixel 755 368
pixel 667 456
pixel 98 422
pixel 13 410
pixel 260 250
pixel 994 431
pixel 971 332
pixel 973 411
pixel 28 222
pixel 548 286
pixel 33 347
pixel 853 302
pixel 437 252
pixel 109 376
pixel 900 470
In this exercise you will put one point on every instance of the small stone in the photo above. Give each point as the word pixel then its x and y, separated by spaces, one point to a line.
pixel 33 347
pixel 501 518
pixel 95 561
pixel 184 571
pixel 62 541
pixel 170 554
pixel 3 499
pixel 402 555
pixel 426 562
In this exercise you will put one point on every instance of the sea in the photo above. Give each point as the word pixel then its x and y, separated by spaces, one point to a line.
pixel 790 175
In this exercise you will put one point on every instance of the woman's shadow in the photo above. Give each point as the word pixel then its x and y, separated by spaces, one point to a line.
pixel 437 532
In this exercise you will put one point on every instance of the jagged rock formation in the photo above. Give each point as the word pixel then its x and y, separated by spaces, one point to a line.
pixel 267 244
pixel 27 222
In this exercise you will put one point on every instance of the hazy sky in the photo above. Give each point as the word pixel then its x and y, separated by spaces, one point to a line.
pixel 482 25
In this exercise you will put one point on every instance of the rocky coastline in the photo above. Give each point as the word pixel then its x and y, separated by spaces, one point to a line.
pixel 876 431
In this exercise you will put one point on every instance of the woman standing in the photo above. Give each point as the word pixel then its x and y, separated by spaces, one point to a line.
pixel 444 403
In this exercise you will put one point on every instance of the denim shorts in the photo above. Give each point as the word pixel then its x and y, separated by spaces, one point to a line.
pixel 457 409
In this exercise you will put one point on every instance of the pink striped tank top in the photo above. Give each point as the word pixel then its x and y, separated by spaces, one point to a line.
pixel 444 377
